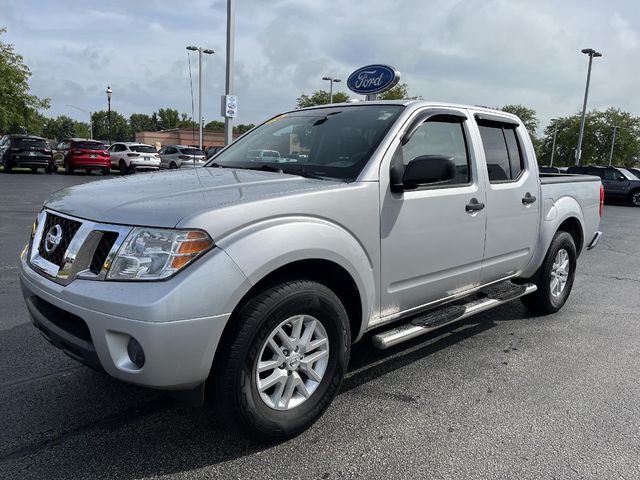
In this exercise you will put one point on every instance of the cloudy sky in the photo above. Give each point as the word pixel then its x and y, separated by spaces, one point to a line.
pixel 489 52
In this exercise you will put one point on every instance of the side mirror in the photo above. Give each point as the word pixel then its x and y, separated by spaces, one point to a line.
pixel 426 170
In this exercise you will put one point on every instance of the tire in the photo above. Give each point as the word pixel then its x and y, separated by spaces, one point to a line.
pixel 543 301
pixel 235 378
pixel 7 166
pixel 67 169
pixel 173 166
pixel 106 171
pixel 635 198
pixel 48 169
pixel 122 167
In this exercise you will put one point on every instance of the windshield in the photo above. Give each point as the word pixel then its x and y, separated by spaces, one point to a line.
pixel 89 146
pixel 143 148
pixel 628 174
pixel 334 142
pixel 191 151
pixel 29 143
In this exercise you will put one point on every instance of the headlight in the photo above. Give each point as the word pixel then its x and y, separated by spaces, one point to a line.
pixel 154 253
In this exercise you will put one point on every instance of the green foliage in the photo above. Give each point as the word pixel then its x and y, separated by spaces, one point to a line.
pixel 527 115
pixel 59 128
pixel 17 105
pixel 596 143
pixel 166 118
pixel 120 130
pixel 141 122
pixel 399 92
pixel 320 97
pixel 242 128
pixel 214 125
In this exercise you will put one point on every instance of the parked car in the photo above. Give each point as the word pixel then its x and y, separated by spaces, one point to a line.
pixel 542 169
pixel 211 151
pixel 634 171
pixel 178 156
pixel 77 153
pixel 129 157
pixel 619 183
pixel 25 151
pixel 249 282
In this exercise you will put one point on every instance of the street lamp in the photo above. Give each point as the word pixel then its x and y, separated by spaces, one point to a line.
pixel 613 142
pixel 90 118
pixel 331 81
pixel 592 53
pixel 553 147
pixel 109 91
pixel 200 51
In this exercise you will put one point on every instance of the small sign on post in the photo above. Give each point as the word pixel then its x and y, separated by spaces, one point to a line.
pixel 229 106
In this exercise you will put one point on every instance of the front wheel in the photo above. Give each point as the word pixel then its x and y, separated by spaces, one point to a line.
pixel 635 198
pixel 555 276
pixel 284 361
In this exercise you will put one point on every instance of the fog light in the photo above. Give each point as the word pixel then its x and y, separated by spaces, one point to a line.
pixel 136 354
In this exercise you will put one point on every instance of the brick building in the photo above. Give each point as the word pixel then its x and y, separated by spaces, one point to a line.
pixel 183 136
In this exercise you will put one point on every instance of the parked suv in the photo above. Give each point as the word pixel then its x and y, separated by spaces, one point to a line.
pixel 128 157
pixel 25 151
pixel 619 183
pixel 82 153
pixel 176 156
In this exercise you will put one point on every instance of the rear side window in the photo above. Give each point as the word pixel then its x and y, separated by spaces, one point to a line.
pixel 191 151
pixel 502 151
pixel 142 148
pixel 441 135
pixel 89 145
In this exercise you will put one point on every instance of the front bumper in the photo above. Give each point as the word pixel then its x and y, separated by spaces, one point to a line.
pixel 177 322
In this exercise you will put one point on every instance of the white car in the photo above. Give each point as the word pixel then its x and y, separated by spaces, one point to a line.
pixel 131 156
pixel 177 156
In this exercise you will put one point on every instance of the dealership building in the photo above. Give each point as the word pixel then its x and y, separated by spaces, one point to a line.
pixel 183 136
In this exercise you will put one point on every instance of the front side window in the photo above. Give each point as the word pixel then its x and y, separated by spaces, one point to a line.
pixel 332 142
pixel 441 135
pixel 502 151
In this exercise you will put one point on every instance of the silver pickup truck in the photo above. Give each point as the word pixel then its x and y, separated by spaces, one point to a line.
pixel 249 280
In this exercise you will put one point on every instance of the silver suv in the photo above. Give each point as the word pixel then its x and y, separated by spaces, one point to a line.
pixel 178 156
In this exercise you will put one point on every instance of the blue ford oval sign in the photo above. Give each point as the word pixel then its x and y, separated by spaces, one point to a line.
pixel 373 79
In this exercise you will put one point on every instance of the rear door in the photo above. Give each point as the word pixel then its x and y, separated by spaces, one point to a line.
pixel 615 183
pixel 512 191
pixel 431 244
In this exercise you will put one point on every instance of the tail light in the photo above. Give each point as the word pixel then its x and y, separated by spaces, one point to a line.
pixel 184 157
pixel 133 154
pixel 601 200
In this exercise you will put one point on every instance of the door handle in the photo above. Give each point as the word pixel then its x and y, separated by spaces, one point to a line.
pixel 528 199
pixel 474 206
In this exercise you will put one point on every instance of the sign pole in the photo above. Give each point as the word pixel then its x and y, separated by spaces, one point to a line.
pixel 231 31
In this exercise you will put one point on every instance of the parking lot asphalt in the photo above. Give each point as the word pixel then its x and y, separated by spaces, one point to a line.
pixel 501 395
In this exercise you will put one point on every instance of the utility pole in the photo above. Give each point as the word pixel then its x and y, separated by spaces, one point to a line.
pixel 109 92
pixel 553 148
pixel 592 53
pixel 200 51
pixel 613 142
pixel 231 27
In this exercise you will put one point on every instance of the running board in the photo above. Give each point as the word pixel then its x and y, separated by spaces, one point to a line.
pixel 486 299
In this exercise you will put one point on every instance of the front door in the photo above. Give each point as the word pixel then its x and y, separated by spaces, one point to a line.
pixel 512 203
pixel 431 243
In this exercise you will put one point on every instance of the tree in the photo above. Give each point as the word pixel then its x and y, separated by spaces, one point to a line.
pixel 141 122
pixel 399 92
pixel 319 97
pixel 59 128
pixel 120 130
pixel 596 143
pixel 167 118
pixel 242 128
pixel 214 125
pixel 527 115
pixel 17 105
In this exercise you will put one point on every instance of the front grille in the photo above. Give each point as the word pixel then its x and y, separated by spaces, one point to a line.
pixel 69 228
pixel 102 251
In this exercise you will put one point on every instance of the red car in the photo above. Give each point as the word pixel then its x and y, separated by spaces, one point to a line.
pixel 80 153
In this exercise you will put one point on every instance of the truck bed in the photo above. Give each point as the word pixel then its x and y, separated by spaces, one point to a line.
pixel 551 178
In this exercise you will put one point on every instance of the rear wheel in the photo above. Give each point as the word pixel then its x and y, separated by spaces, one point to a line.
pixel 122 167
pixel 555 276
pixel 284 361
pixel 635 198
pixel 106 171
pixel 68 169
pixel 173 165
pixel 7 166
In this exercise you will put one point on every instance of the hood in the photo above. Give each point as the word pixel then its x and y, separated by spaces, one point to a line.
pixel 162 199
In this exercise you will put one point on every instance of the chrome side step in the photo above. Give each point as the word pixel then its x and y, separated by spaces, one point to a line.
pixel 486 299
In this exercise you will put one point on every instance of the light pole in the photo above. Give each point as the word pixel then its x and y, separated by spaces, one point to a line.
pixel 331 82
pixel 90 118
pixel 231 33
pixel 592 53
pixel 200 51
pixel 109 91
pixel 613 142
pixel 553 148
